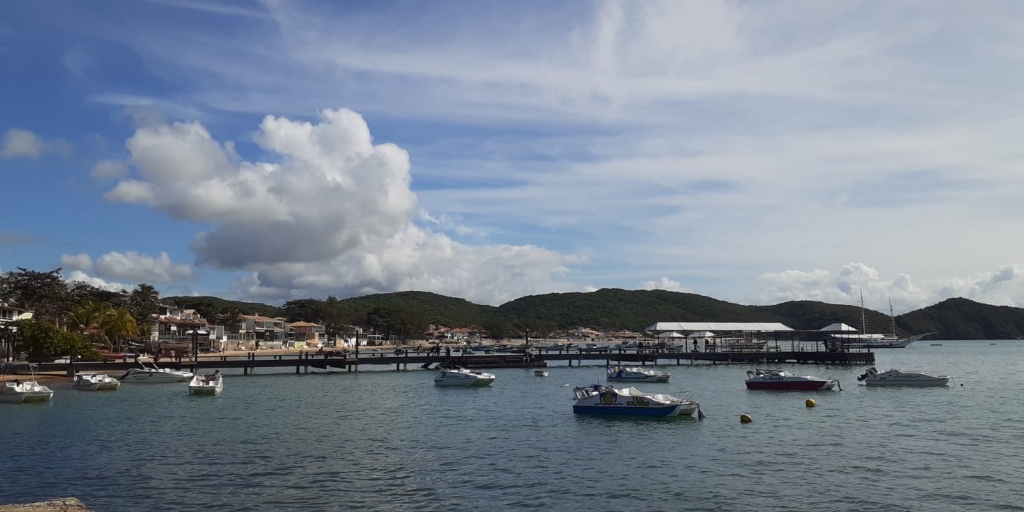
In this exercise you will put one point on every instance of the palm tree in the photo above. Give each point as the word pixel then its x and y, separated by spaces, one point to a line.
pixel 119 326
pixel 89 320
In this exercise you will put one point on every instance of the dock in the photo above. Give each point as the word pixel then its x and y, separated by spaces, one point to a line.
pixel 402 360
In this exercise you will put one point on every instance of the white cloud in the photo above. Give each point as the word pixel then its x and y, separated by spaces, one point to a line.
pixel 663 284
pixel 1003 286
pixel 332 213
pixel 80 261
pixel 21 143
pixel 24 143
pixel 714 141
pixel 77 276
pixel 109 169
pixel 131 266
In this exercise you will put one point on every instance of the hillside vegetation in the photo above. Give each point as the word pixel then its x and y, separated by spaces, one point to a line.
pixel 409 313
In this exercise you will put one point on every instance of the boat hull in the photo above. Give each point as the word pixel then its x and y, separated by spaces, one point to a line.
pixel 204 390
pixel 930 383
pixel 463 383
pixel 38 396
pixel 654 411
pixel 810 385
pixel 651 378
pixel 156 377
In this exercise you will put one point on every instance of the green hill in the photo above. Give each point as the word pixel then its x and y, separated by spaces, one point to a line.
pixel 408 313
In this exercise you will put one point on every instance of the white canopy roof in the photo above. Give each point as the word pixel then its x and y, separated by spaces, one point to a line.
pixel 718 326
pixel 837 327
pixel 671 334
pixel 702 334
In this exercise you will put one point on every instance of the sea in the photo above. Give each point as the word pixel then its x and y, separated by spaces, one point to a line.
pixel 390 440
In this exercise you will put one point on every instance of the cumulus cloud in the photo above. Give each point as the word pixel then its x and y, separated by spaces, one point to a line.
pixel 663 284
pixel 1003 286
pixel 131 266
pixel 77 276
pixel 23 143
pixel 331 212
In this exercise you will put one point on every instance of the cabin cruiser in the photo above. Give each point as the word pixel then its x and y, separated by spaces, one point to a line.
pixel 598 399
pixel 95 382
pixel 17 392
pixel 155 374
pixel 783 380
pixel 206 384
pixel 895 377
pixel 634 374
pixel 461 377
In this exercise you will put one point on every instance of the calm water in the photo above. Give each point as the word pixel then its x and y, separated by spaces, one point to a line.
pixel 384 440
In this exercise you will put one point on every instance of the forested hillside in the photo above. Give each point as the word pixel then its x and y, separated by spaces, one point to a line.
pixel 410 313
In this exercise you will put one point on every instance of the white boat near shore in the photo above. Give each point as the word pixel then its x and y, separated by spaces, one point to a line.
pixel 461 377
pixel 896 377
pixel 155 374
pixel 211 385
pixel 95 382
pixel 17 392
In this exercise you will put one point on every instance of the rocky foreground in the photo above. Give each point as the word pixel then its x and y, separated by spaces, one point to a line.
pixel 55 505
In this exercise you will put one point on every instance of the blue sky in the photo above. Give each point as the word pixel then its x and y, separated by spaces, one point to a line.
pixel 755 152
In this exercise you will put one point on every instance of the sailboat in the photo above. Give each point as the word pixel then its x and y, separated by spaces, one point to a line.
pixel 865 340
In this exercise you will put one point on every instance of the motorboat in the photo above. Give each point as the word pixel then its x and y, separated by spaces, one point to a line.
pixel 540 373
pixel 896 377
pixel 461 377
pixel 599 399
pixel 155 374
pixel 16 391
pixel 95 382
pixel 783 380
pixel 635 374
pixel 206 384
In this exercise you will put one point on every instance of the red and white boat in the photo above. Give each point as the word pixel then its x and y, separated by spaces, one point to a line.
pixel 783 380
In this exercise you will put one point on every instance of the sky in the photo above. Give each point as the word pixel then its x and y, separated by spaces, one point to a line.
pixel 754 152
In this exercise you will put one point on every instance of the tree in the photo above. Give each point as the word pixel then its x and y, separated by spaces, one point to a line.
pixel 119 326
pixel 44 293
pixel 142 303
pixel 42 340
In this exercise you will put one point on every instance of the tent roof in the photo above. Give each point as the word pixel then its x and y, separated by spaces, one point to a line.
pixel 837 327
pixel 702 334
pixel 718 326
pixel 671 334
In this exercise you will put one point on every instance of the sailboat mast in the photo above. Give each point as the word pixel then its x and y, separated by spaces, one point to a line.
pixel 863 319
pixel 893 318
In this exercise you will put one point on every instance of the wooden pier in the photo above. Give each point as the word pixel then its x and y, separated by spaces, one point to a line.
pixel 303 361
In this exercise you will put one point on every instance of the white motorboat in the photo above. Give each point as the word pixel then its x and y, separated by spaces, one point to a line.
pixel 155 374
pixel 896 377
pixel 96 382
pixel 540 373
pixel 783 380
pixel 635 374
pixel 206 384
pixel 598 399
pixel 17 392
pixel 458 376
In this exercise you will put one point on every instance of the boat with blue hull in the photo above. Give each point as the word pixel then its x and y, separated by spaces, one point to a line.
pixel 598 399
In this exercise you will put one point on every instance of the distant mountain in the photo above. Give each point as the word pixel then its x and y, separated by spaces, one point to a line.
pixel 634 310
